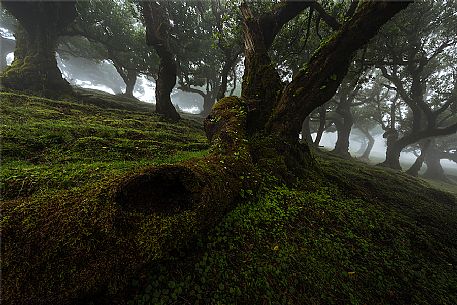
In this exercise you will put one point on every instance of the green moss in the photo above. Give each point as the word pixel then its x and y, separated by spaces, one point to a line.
pixel 68 200
pixel 371 245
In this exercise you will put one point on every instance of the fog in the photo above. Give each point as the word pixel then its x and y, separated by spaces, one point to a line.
pixel 103 76
pixel 379 150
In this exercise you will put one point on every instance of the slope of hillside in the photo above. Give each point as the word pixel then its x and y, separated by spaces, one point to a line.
pixel 49 144
pixel 352 234
pixel 363 235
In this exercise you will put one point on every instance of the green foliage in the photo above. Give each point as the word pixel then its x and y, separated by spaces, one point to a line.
pixel 111 30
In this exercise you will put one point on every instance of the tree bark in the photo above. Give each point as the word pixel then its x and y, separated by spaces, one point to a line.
pixel 434 169
pixel 321 129
pixel 417 165
pixel 366 154
pixel 157 36
pixel 35 67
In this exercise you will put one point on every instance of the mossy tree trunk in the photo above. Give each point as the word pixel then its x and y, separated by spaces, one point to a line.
pixel 316 84
pixel 262 87
pixel 417 165
pixel 35 67
pixel 157 35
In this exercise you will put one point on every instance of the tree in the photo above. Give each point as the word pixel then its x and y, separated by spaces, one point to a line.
pixel 414 54
pixel 157 35
pixel 371 114
pixel 40 25
pixel 441 148
pixel 209 43
pixel 342 117
pixel 111 31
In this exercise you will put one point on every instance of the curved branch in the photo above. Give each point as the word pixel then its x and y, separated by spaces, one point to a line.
pixel 328 19
pixel 192 90
pixel 316 84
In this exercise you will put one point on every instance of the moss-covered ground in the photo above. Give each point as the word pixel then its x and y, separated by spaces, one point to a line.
pixel 366 236
pixel 48 145
pixel 355 234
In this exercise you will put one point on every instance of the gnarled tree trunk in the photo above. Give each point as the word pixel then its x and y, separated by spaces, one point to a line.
pixel 157 36
pixel 417 165
pixel 434 169
pixel 35 67
pixel 366 154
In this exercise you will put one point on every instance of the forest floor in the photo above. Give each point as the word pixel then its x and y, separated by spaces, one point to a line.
pixel 357 235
